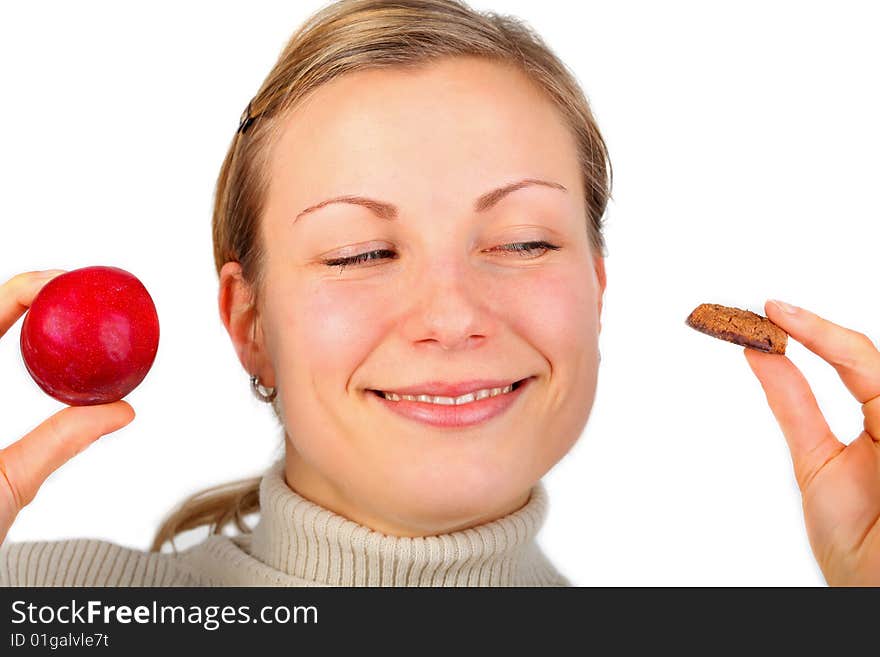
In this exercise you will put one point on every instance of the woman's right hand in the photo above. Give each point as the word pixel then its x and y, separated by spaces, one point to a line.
pixel 26 463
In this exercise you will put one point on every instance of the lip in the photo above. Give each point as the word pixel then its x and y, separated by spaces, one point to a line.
pixel 455 416
pixel 446 389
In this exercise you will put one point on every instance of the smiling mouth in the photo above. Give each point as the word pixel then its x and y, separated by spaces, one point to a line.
pixel 460 400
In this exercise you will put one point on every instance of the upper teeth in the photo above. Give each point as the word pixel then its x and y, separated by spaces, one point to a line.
pixel 449 401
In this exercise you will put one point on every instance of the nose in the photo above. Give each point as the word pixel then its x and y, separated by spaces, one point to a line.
pixel 449 307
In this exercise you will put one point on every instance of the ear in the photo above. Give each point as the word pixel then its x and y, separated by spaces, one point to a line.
pixel 239 315
pixel 599 262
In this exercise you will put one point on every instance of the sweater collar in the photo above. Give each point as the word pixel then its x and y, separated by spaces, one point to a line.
pixel 307 541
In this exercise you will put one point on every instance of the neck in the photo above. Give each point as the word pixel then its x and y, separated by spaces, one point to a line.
pixel 309 484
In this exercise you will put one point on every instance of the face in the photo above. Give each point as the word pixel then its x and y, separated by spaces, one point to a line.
pixel 454 284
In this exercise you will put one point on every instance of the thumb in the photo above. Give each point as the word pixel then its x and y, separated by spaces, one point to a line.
pixel 29 461
pixel 809 438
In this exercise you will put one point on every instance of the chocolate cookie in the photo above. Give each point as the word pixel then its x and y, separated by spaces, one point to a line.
pixel 741 327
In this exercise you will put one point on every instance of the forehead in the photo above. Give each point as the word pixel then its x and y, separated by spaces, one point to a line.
pixel 462 124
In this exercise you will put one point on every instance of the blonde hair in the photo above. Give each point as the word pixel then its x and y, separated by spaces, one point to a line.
pixel 342 37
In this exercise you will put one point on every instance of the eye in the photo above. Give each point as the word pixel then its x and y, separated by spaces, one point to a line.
pixel 342 263
pixel 527 248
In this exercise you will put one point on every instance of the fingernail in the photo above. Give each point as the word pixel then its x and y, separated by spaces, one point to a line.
pixel 784 307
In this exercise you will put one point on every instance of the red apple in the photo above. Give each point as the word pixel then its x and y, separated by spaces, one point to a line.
pixel 90 335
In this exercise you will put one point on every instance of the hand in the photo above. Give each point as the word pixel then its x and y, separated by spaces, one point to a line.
pixel 840 484
pixel 25 464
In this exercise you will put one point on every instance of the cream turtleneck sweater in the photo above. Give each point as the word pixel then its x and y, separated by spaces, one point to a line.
pixel 298 543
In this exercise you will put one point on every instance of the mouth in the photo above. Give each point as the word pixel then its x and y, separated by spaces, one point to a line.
pixel 453 412
pixel 445 400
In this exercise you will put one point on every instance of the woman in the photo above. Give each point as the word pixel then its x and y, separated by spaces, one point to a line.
pixel 439 234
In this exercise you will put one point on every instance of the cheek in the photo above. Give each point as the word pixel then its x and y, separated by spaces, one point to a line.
pixel 332 329
pixel 554 309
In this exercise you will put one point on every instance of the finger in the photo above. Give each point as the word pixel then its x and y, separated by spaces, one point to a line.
pixel 851 353
pixel 871 410
pixel 28 462
pixel 18 292
pixel 809 438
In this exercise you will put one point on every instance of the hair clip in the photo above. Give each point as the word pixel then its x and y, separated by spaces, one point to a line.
pixel 246 119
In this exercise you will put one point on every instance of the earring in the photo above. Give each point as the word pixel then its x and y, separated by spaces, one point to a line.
pixel 262 393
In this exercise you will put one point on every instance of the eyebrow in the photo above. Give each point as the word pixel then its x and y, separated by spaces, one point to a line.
pixel 389 211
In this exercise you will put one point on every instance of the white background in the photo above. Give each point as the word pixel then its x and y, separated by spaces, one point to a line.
pixel 745 144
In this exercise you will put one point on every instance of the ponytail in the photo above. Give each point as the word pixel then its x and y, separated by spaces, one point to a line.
pixel 216 507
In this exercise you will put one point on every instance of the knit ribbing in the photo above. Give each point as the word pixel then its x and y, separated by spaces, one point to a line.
pixel 309 542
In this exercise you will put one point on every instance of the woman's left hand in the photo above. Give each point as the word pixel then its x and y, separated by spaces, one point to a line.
pixel 840 484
